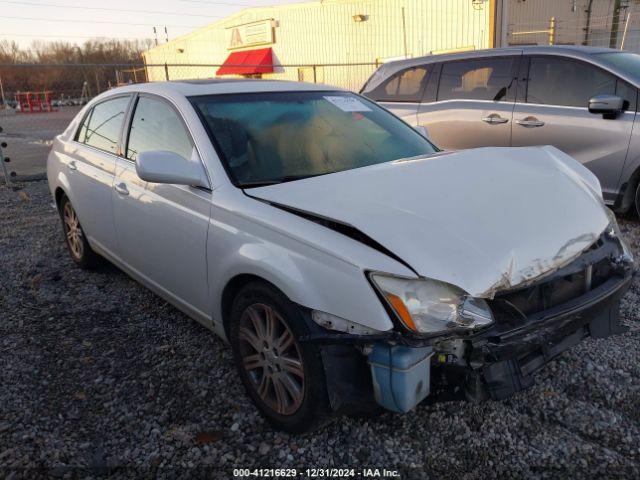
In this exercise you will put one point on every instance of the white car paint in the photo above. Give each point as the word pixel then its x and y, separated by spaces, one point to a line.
pixel 482 220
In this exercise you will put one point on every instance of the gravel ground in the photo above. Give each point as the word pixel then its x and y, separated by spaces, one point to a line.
pixel 100 377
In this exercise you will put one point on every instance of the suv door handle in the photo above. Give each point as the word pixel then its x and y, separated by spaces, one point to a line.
pixel 121 188
pixel 72 165
pixel 494 119
pixel 530 122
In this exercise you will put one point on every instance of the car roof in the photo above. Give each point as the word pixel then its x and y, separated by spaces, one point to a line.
pixel 218 86
pixel 576 51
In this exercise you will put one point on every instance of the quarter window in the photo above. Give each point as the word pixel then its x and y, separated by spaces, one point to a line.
pixel 482 79
pixel 404 86
pixel 157 126
pixel 101 127
pixel 557 81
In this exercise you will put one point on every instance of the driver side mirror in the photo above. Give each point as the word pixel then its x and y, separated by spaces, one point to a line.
pixel 607 105
pixel 169 167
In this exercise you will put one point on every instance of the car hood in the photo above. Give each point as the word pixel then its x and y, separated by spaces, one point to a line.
pixel 485 220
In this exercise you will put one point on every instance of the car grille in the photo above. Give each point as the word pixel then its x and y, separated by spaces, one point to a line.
pixel 590 270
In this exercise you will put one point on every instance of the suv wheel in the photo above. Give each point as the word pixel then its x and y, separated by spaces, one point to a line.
pixel 79 249
pixel 284 377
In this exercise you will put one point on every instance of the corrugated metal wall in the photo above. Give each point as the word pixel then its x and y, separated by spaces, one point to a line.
pixel 325 33
pixel 571 19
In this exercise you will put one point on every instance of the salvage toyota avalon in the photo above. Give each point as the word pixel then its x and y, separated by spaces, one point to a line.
pixel 350 264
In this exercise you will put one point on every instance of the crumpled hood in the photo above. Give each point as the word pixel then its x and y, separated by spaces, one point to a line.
pixel 485 219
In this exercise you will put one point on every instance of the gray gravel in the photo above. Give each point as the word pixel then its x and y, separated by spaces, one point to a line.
pixel 98 376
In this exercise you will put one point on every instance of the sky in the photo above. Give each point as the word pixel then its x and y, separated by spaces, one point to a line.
pixel 78 20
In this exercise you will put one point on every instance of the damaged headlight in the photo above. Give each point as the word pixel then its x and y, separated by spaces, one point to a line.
pixel 430 306
pixel 613 231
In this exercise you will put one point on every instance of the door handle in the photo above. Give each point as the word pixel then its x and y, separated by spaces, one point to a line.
pixel 494 119
pixel 530 122
pixel 122 189
pixel 72 165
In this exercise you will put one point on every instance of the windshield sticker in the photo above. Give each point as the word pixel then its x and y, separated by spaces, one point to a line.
pixel 348 104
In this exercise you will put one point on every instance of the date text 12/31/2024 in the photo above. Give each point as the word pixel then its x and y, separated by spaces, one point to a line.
pixel 315 473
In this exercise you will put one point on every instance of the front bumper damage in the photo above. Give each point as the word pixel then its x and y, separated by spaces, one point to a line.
pixel 533 325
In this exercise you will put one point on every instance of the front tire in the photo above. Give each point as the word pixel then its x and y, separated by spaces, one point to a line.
pixel 284 377
pixel 79 249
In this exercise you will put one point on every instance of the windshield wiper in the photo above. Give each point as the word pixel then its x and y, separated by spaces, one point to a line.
pixel 275 181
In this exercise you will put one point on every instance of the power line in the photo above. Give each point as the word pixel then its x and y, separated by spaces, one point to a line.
pixel 37 36
pixel 98 21
pixel 122 10
pixel 221 3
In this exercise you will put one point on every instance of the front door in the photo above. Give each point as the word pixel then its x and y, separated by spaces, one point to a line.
pixel 552 109
pixel 474 103
pixel 161 228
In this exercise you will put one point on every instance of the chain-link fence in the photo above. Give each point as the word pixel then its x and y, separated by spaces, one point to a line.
pixel 37 102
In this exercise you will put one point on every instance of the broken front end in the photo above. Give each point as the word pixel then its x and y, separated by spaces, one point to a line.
pixel 491 349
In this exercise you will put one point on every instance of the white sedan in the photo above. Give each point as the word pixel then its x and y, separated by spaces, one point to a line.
pixel 349 262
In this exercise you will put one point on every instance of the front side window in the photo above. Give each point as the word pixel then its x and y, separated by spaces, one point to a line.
pixel 156 126
pixel 563 82
pixel 481 79
pixel 101 127
pixel 281 136
pixel 404 86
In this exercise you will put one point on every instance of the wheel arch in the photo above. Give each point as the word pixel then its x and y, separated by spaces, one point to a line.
pixel 627 197
pixel 58 194
pixel 231 290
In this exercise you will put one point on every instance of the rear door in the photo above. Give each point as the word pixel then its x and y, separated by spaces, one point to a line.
pixel 162 228
pixel 401 93
pixel 469 103
pixel 552 109
pixel 91 167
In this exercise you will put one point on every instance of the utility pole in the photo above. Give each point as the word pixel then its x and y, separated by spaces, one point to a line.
pixel 4 103
pixel 615 23
pixel 587 30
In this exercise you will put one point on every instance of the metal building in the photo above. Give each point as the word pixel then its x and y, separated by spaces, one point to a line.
pixel 337 42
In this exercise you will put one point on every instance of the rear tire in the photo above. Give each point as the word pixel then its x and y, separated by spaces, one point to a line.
pixel 637 202
pixel 79 249
pixel 284 377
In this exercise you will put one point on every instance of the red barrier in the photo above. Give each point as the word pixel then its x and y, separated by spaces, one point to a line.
pixel 34 102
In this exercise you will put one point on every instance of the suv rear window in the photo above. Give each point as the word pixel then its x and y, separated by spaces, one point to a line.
pixel 404 86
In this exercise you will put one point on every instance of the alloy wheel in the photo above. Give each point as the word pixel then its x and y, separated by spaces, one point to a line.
pixel 272 359
pixel 73 231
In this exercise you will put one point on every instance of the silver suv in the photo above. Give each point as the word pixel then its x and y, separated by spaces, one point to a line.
pixel 581 100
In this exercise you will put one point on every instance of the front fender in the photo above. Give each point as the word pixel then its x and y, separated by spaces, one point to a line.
pixel 312 265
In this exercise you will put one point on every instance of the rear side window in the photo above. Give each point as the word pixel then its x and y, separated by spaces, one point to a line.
pixel 563 82
pixel 157 126
pixel 101 127
pixel 403 86
pixel 481 79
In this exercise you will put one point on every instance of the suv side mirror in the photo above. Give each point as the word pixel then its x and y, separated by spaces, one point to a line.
pixel 607 105
pixel 169 167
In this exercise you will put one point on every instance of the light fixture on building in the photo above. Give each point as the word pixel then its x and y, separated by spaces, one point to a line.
pixel 478 4
pixel 360 18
